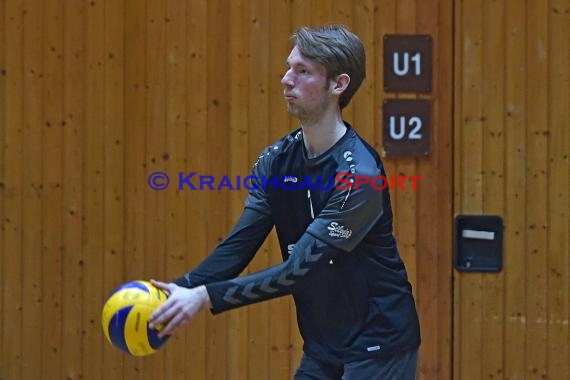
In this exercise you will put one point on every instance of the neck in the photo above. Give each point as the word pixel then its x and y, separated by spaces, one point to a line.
pixel 320 135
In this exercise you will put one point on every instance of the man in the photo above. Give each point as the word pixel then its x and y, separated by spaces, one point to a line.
pixel 355 308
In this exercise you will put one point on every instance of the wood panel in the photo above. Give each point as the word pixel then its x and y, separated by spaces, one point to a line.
pixel 196 142
pixel 175 155
pixel 51 166
pixel 515 213
pixel 536 164
pixel 95 290
pixel 74 119
pixel 12 194
pixel 511 129
pixel 558 264
pixel 113 169
pixel 433 247
pixel 96 96
pixel 3 128
pixel 154 157
pixel 135 114
pixel 34 124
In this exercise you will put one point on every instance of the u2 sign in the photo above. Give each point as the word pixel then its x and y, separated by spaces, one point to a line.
pixel 407 127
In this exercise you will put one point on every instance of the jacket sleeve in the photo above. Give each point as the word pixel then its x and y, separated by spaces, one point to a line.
pixel 276 281
pixel 234 253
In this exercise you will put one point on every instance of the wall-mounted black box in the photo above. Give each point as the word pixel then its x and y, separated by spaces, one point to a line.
pixel 478 243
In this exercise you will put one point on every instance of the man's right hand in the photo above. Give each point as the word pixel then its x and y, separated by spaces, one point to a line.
pixel 181 306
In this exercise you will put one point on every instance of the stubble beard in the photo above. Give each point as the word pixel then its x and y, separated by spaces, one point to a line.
pixel 294 110
pixel 304 114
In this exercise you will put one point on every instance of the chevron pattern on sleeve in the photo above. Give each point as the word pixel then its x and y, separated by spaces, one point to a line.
pixel 303 258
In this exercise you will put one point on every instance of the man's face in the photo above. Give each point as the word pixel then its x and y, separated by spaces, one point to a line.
pixel 306 87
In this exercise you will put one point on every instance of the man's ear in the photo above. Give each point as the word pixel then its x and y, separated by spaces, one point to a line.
pixel 340 84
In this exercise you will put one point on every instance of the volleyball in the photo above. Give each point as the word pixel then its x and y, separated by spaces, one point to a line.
pixel 126 314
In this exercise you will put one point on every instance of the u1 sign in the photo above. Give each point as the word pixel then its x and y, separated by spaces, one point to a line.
pixel 407 63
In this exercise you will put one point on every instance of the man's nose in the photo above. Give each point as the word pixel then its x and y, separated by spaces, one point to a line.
pixel 286 80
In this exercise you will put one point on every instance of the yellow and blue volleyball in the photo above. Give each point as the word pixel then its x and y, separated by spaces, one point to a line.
pixel 126 314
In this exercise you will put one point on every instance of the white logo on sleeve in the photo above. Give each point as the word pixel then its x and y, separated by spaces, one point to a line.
pixel 290 248
pixel 338 231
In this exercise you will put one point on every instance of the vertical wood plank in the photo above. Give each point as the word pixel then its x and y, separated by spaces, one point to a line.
pixel 536 246
pixel 217 164
pixel 136 173
pixel 239 165
pixel 197 141
pixel 469 151
pixel 32 191
pixel 558 180
pixel 458 58
pixel 113 173
pixel 515 184
pixel 93 195
pixel 444 82
pixel 493 187
pixel 258 358
pixel 12 193
pixel 52 140
pixel 279 309
pixel 3 128
pixel 74 118
pixel 154 242
pixel 434 290
pixel 175 156
pixel 444 166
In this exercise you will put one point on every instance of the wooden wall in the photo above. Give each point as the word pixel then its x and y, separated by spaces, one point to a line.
pixel 96 95
pixel 512 140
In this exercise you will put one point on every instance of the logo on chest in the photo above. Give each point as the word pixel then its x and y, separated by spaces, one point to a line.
pixel 338 231
pixel 290 178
